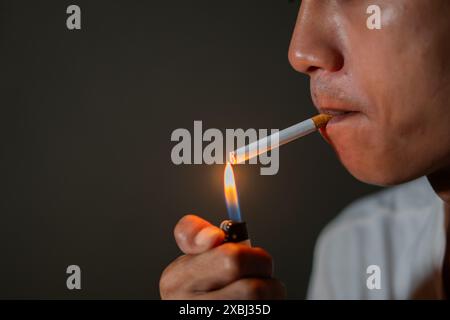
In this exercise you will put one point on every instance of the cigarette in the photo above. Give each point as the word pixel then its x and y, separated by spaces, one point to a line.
pixel 279 138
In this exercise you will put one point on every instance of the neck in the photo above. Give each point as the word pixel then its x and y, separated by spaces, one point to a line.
pixel 440 181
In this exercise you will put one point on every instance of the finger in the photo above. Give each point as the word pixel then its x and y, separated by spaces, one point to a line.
pixel 195 235
pixel 248 289
pixel 223 265
pixel 170 279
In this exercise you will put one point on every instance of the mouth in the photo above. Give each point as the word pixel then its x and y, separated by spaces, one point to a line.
pixel 336 103
pixel 334 112
pixel 338 115
pixel 336 107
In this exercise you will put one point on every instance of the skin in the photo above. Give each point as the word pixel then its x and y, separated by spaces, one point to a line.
pixel 397 78
pixel 212 270
pixel 395 82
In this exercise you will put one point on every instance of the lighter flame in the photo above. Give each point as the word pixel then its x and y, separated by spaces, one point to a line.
pixel 231 196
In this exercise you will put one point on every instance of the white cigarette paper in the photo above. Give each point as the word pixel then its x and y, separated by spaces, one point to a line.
pixel 279 138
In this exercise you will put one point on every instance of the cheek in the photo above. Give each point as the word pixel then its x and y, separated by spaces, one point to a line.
pixel 371 152
pixel 379 153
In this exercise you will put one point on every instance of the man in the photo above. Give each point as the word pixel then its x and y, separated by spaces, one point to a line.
pixel 389 90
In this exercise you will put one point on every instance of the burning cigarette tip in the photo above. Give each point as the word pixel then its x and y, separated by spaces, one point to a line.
pixel 232 159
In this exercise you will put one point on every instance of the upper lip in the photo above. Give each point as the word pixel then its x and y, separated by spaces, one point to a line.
pixel 330 98
pixel 333 106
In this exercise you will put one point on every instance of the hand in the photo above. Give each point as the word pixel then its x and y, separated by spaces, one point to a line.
pixel 213 270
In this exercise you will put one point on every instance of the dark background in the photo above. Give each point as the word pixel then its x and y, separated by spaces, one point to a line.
pixel 86 118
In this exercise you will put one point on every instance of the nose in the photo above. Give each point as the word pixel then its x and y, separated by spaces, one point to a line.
pixel 315 41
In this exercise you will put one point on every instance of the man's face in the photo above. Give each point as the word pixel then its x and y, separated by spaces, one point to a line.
pixel 395 81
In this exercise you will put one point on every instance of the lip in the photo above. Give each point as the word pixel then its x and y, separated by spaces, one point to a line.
pixel 335 109
pixel 337 103
pixel 339 115
pixel 342 117
pixel 338 119
pixel 333 104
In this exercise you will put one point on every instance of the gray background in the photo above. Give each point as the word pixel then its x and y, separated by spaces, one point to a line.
pixel 86 118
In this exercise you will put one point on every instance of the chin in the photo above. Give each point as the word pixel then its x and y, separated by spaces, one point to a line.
pixel 366 155
pixel 377 178
pixel 377 170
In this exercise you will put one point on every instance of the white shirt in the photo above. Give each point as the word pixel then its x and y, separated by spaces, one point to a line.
pixel 401 230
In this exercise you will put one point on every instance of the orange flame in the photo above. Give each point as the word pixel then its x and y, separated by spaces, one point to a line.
pixel 231 196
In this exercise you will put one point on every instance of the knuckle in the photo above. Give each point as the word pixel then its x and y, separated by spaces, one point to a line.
pixel 254 290
pixel 164 283
pixel 266 258
pixel 168 281
pixel 264 254
pixel 232 260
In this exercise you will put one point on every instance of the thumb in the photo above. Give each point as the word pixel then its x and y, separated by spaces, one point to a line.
pixel 195 235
